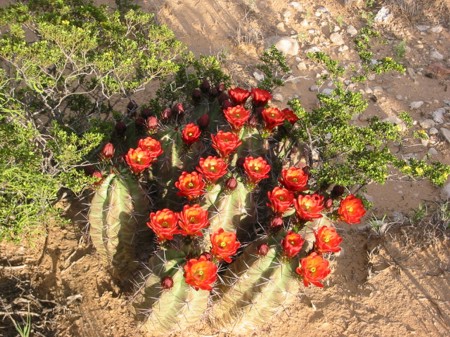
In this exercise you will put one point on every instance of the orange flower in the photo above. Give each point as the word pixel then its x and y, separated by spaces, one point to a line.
pixel 191 133
pixel 272 117
pixel 294 179
pixel 212 168
pixel 256 169
pixel 351 210
pixel 292 244
pixel 225 143
pixel 138 159
pixel 193 219
pixel 108 151
pixel 224 244
pixel 313 268
pixel 260 97
pixel 327 240
pixel 290 116
pixel 191 185
pixel 309 206
pixel 200 273
pixel 280 199
pixel 238 95
pixel 153 146
pixel 236 116
pixel 164 224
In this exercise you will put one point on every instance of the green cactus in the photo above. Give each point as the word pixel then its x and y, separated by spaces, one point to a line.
pixel 166 310
pixel 118 210
pixel 255 287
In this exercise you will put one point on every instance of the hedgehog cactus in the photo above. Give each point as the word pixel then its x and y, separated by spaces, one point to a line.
pixel 223 186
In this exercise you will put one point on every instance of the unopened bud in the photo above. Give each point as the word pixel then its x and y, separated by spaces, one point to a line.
pixel 98 177
pixel 167 282
pixel 196 95
pixel 223 97
pixel 329 203
pixel 146 113
pixel 205 86
pixel 152 122
pixel 231 183
pixel 337 191
pixel 263 249
pixel 220 87
pixel 207 255
pixel 226 104
pixel 203 122
pixel 139 122
pixel 178 109
pixel 240 162
pixel 166 114
pixel 213 92
pixel 108 151
pixel 121 128
pixel 276 222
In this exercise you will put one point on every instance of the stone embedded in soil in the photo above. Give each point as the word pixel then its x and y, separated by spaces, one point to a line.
pixel 416 104
pixel 445 193
pixel 422 28
pixel 258 76
pixel 432 151
pixel 327 91
pixel 437 29
pixel 286 45
pixel 277 97
pixel 314 88
pixel 446 133
pixel 433 131
pixel 438 115
pixel 427 123
pixel 302 66
pixel 337 39
pixel 383 15
pixel 436 55
pixel 352 31
pixel 297 6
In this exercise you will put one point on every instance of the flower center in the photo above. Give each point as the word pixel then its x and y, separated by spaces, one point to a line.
pixel 165 224
pixel 190 184
pixel 200 272
pixel 212 168
pixel 281 198
pixel 238 115
pixel 192 219
pixel 326 239
pixel 190 134
pixel 223 244
pixel 294 180
pixel 272 115
pixel 292 242
pixel 313 270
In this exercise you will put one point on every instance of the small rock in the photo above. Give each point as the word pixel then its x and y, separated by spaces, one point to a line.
pixel 336 38
pixel 281 26
pixel 343 48
pixel 446 133
pixel 399 97
pixel 422 28
pixel 277 97
pixel 302 66
pixel 313 49
pixel 436 55
pixel 321 10
pixel 371 77
pixel 397 121
pixel 287 45
pixel 416 104
pixel 432 151
pixel 327 91
pixel 433 131
pixel 437 29
pixel 297 6
pixel 377 90
pixel 438 115
pixel 445 193
pixel 447 102
pixel 258 76
pixel 383 15
pixel 427 123
pixel 398 217
pixel 351 31
pixel 314 88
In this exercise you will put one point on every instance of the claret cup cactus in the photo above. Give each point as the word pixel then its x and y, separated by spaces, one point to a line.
pixel 236 219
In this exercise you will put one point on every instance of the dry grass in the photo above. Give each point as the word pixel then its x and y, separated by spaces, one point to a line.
pixel 435 11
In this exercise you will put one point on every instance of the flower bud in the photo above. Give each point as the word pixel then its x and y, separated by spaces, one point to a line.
pixel 207 255
pixel 263 249
pixel 196 95
pixel 166 114
pixel 152 122
pixel 132 107
pixel 253 121
pixel 120 128
pixel 337 191
pixel 276 222
pixel 223 97
pixel 98 177
pixel 213 92
pixel 329 203
pixel 227 104
pixel 167 282
pixel 139 122
pixel 220 87
pixel 178 109
pixel 240 162
pixel 203 121
pixel 205 86
pixel 231 183
pixel 108 151
pixel 146 113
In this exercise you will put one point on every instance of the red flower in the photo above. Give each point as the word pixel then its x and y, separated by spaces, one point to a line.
pixel 294 179
pixel 153 146
pixel 292 244
pixel 98 177
pixel 280 199
pixel 138 159
pixel 108 151
pixel 236 116
pixel 200 273
pixel 351 210
pixel 224 244
pixel 256 169
pixel 212 168
pixel 193 219
pixel 313 268
pixel 260 96
pixel 290 116
pixel 191 133
pixel 164 224
pixel 327 240
pixel 191 185
pixel 225 143
pixel 272 117
pixel 309 206
pixel 238 95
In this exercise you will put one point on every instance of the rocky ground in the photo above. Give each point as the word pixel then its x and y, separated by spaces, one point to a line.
pixel 390 279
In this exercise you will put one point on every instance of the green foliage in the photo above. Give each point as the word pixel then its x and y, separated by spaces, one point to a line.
pixel 332 66
pixel 274 67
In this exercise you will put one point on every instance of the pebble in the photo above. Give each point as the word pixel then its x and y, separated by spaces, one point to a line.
pixel 438 115
pixel 377 90
pixel 327 91
pixel 432 151
pixel 437 29
pixel 383 15
pixel 258 76
pixel 302 66
pixel 371 77
pixel 314 88
pixel 351 31
pixel 445 193
pixel 287 45
pixel 296 5
pixel 321 10
pixel 436 55
pixel 427 123
pixel 399 97
pixel 422 28
pixel 433 131
pixel 277 97
pixel 446 133
pixel 343 48
pixel 313 49
pixel 416 104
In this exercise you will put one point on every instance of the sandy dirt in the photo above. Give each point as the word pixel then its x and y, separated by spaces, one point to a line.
pixel 394 282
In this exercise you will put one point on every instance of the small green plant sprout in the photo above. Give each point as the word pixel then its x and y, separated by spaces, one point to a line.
pixel 400 50
pixel 25 330
pixel 274 67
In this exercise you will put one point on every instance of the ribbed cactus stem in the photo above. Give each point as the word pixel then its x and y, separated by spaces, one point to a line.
pixel 168 309
pixel 255 288
pixel 117 211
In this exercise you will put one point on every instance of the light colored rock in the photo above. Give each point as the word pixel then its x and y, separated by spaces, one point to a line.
pixel 296 5
pixel 313 49
pixel 433 131
pixel 445 192
pixel 337 39
pixel 437 29
pixel 427 123
pixel 320 11
pixel 314 88
pixel 327 91
pixel 377 90
pixel 422 28
pixel 302 66
pixel 399 97
pixel 438 115
pixel 343 48
pixel 436 55
pixel 397 121
pixel 258 76
pixel 277 97
pixel 383 15
pixel 432 151
pixel 351 31
pixel 446 133
pixel 416 104
pixel 287 45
